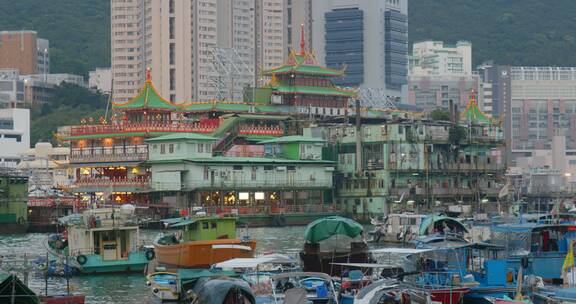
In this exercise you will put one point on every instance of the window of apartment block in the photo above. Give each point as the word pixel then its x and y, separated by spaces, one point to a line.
pixel 254 170
pixel 206 173
pixel 162 149
pixel 200 148
pixel 171 7
pixel 171 148
pixel 172 79
pixel 171 27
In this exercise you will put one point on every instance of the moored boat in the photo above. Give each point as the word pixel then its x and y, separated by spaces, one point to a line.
pixel 396 227
pixel 332 240
pixel 101 240
pixel 201 241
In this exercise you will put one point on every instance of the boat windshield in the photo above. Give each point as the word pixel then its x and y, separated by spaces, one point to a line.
pixel 516 243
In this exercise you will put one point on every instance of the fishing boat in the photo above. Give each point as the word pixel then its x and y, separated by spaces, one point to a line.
pixel 101 240
pixel 540 249
pixel 388 291
pixel 298 287
pixel 443 225
pixel 333 239
pixel 172 286
pixel 257 269
pixel 200 241
pixel 13 290
pixel 396 228
pixel 555 296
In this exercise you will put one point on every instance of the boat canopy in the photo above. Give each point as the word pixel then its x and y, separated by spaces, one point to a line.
pixel 255 262
pixel 399 250
pixel 324 228
pixel 364 265
pixel 528 227
pixel 12 288
pixel 431 221
pixel 188 277
pixel 285 275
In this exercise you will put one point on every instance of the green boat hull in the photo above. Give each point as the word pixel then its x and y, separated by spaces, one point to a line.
pixel 136 262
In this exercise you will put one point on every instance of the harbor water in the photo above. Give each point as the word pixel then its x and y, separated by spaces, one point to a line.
pixel 126 288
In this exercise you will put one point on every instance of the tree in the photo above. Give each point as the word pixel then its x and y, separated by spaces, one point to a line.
pixel 440 114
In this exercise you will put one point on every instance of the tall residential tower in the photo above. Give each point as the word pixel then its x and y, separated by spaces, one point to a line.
pixel 194 47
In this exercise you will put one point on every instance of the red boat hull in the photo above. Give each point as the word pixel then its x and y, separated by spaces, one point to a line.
pixel 449 295
pixel 73 299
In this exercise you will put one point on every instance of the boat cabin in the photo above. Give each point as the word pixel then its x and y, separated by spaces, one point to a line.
pixel 108 232
pixel 539 249
pixel 202 228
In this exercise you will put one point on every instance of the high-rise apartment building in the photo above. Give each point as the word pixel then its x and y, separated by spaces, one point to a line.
pixel 438 58
pixel 297 13
pixel 22 50
pixel 197 50
pixel 440 73
pixel 127 44
pixel 368 37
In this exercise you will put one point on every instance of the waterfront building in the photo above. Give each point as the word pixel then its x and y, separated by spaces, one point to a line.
pixel 369 37
pixel 101 80
pixel 408 163
pixel 187 42
pixel 289 182
pixel 24 51
pixel 13 197
pixel 14 135
pixel 48 172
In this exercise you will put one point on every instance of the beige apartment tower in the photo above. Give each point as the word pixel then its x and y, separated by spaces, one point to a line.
pixel 196 49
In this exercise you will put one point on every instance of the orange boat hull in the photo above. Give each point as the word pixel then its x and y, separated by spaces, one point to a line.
pixel 203 254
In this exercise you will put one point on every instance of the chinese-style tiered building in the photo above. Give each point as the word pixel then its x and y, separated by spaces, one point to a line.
pixel 229 157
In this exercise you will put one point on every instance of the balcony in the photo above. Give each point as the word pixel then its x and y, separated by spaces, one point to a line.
pixel 207 126
pixel 106 184
pixel 260 210
pixel 109 154
pixel 261 130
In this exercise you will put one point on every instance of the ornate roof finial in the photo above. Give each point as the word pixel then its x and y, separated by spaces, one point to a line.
pixel 473 95
pixel 302 51
pixel 148 74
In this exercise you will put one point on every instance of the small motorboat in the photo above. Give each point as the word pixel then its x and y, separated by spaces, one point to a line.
pixel 172 286
pixel 298 287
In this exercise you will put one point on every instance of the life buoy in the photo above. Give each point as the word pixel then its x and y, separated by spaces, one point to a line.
pixel 42 266
pixel 524 262
pixel 150 255
pixel 81 259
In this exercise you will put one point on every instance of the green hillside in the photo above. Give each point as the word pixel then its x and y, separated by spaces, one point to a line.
pixel 78 30
pixel 517 32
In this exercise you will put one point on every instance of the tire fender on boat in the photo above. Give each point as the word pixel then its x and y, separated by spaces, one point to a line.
pixel 21 220
pixel 150 254
pixel 81 259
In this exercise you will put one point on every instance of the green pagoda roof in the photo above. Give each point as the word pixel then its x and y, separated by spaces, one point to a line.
pixel 292 139
pixel 312 90
pixel 178 136
pixel 473 114
pixel 147 98
pixel 303 63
